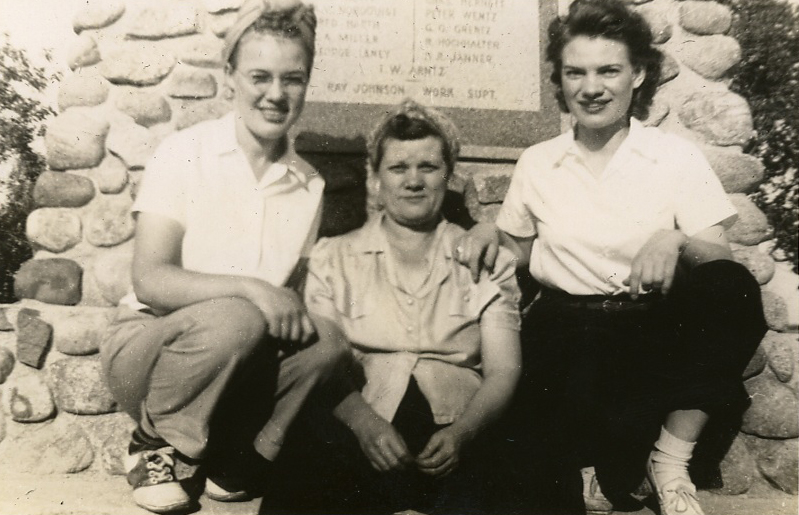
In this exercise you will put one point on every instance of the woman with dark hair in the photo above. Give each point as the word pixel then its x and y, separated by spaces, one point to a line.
pixel 436 353
pixel 642 319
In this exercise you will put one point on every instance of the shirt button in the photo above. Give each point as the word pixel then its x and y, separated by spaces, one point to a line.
pixel 410 302
pixel 410 328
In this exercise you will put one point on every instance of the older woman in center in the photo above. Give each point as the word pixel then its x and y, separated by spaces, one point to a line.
pixel 439 354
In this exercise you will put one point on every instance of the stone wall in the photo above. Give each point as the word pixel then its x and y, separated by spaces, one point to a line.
pixel 143 70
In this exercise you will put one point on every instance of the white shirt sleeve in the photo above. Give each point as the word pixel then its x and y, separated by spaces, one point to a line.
pixel 515 217
pixel 163 187
pixel 701 200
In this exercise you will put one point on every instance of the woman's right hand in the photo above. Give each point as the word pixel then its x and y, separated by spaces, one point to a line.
pixel 283 310
pixel 382 444
pixel 478 248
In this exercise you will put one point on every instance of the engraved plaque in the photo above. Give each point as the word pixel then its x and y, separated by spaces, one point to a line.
pixel 479 61
pixel 481 54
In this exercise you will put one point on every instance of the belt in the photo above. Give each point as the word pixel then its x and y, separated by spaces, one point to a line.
pixel 606 303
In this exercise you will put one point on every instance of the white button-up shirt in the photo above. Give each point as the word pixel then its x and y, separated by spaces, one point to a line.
pixel 234 224
pixel 588 229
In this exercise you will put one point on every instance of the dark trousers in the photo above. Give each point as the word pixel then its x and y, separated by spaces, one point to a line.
pixel 325 471
pixel 598 383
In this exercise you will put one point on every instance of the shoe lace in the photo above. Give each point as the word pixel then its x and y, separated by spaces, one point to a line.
pixel 160 465
pixel 681 497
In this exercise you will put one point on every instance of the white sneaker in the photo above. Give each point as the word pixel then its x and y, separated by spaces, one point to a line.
pixel 595 501
pixel 151 473
pixel 677 495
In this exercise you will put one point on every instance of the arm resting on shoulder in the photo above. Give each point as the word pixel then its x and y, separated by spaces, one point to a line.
pixel 479 247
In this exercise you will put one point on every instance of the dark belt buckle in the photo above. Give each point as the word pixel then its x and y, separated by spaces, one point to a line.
pixel 614 306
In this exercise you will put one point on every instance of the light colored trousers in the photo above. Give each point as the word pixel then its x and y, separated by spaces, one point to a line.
pixel 170 373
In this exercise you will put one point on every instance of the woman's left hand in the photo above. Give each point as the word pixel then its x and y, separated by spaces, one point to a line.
pixel 653 267
pixel 441 455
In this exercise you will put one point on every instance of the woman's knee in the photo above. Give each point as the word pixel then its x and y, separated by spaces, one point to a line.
pixel 230 325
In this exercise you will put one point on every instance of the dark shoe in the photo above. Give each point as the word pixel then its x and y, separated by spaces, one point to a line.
pixel 155 485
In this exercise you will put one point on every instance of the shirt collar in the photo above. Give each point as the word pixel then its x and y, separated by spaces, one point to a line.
pixel 289 162
pixel 637 141
pixel 375 240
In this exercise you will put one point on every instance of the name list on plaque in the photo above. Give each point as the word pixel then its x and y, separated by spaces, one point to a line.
pixel 474 54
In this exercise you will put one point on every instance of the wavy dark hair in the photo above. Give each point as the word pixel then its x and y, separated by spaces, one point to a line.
pixel 610 19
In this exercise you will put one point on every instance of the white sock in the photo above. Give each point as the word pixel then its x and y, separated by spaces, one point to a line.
pixel 670 457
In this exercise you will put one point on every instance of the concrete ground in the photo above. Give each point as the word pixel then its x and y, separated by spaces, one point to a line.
pixel 85 494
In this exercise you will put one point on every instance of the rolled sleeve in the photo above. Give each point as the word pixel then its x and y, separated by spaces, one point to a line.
pixel 515 217
pixel 319 291
pixel 163 187
pixel 701 199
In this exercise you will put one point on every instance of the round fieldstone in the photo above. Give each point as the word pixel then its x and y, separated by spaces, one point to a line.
pixel 761 265
pixel 738 172
pixel 111 176
pixel 83 53
pixel 78 332
pixel 197 112
pixel 710 56
pixel 137 64
pixel 115 445
pixel 490 182
pixel 669 69
pixel 782 350
pixel 5 325
pixel 107 221
pixel 76 139
pixel 27 398
pixel 658 112
pixel 738 469
pixel 217 6
pixel 132 143
pixel 147 108
pixel 774 412
pixel 705 18
pixel 777 461
pixel 51 448
pixel 33 338
pixel 6 364
pixel 220 23
pixel 112 273
pixel 62 189
pixel 158 23
pixel 721 118
pixel 775 310
pixel 657 16
pixel 98 15
pixel 54 229
pixel 751 227
pixel 757 364
pixel 82 89
pixel 79 387
pixel 203 51
pixel 55 281
pixel 191 83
